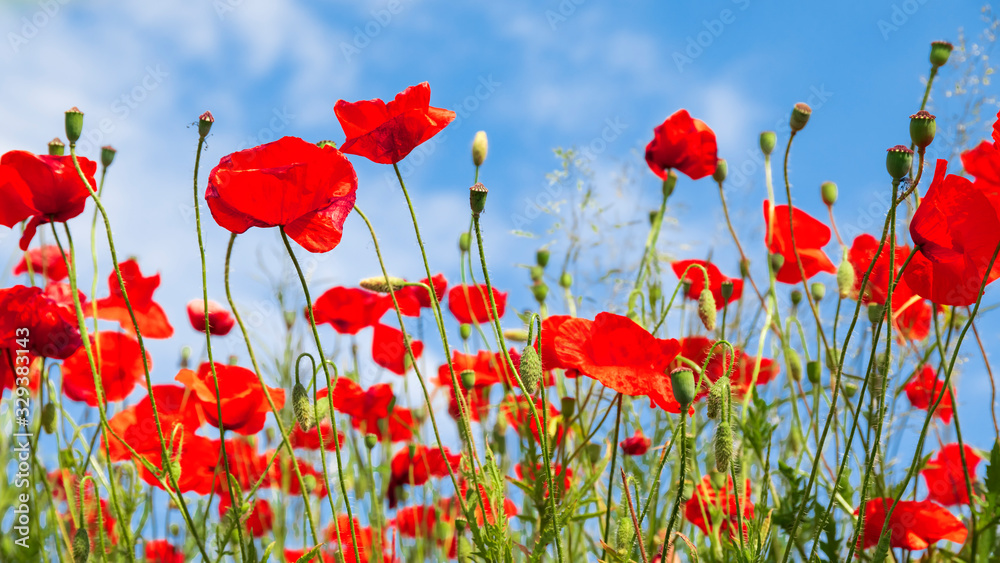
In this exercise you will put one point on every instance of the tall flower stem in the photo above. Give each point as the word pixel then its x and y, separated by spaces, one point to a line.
pixel 680 484
pixel 614 458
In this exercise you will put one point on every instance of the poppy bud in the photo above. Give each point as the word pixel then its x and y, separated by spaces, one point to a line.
pixel 185 356
pixel 800 116
pixel 796 297
pixel 477 198
pixel 706 308
pixel 898 161
pixel 74 125
pixel 884 359
pixel 594 452
pixel 818 291
pixel 655 293
pixel 794 364
pixel 682 384
pixel 233 359
pixel 56 147
pixel 850 390
pixel 480 146
pixel 174 529
pixel 716 397
pixel 541 291
pixel 814 371
pixel 378 284
pixel 81 545
pixel 777 261
pixel 531 369
pixel 723 446
pixel 174 469
pixel 767 141
pixel 845 278
pixel 302 407
pixel 289 319
pixel 465 331
pixel 107 155
pixel 49 418
pixel 565 280
pixel 516 334
pixel 568 407
pixel 744 268
pixel 721 170
pixel 371 440
pixel 322 410
pixel 653 216
pixel 669 183
pixel 726 288
pixel 832 359
pixel 625 533
pixel 940 51
pixel 795 440
pixel 468 378
pixel 326 143
pixel 205 122
pixel 536 273
pixel 874 312
pixel 464 242
pixel 542 257
pixel 828 191
pixel 922 128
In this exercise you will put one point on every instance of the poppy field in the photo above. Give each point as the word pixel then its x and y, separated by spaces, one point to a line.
pixel 801 404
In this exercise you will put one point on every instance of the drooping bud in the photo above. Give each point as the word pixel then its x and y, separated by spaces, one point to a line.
pixel 464 242
pixel 625 534
pixel 49 417
pixel 477 198
pixel 205 122
pixel 721 171
pixel 777 261
pixel 706 308
pixel 768 139
pixel 845 278
pixel 796 297
pixel 723 446
pixel 56 147
pixel 567 407
pixel 875 312
pixel 465 331
pixel 940 51
pixel 794 364
pixel 107 155
pixel 378 284
pixel 828 191
pixel 682 384
pixel 371 441
pixel 800 116
pixel 468 378
pixel 818 291
pixel 302 407
pixel 480 146
pixel 565 280
pixel 922 128
pixel 898 161
pixel 717 397
pixel 516 334
pixel 81 545
pixel 536 273
pixel 540 291
pixel 814 371
pixel 542 257
pixel 726 289
pixel 74 124
pixel 669 183
pixel 531 369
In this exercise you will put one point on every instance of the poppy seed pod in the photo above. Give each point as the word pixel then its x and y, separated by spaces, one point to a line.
pixel 542 257
pixel 768 139
pixel 814 371
pixel 940 51
pixel 706 308
pixel 371 441
pixel 818 291
pixel 723 446
pixel 682 384
pixel 531 369
pixel 81 545
pixel 465 331
pixel 49 418
pixel 378 284
pixel 480 146
pixel 326 143
pixel 721 171
pixel 477 198
pixel 898 161
pixel 205 122
pixel 669 183
pixel 565 280
pixel 777 261
pixel 726 289
pixel 56 147
pixel 796 297
pixel 850 390
pixel 468 378
pixel 567 407
pixel 464 242
pixel 536 273
pixel 302 407
pixel 541 291
pixel 800 116
pixel 744 268
pixel 794 364
pixel 845 278
pixel 832 359
pixel 874 312
pixel 107 155
pixel 922 128
pixel 74 125
pixel 594 452
pixel 828 191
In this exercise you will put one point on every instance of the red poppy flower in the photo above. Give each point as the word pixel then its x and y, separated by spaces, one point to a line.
pixel 260 518
pixel 471 304
pixel 695 348
pixel 220 320
pixel 364 547
pixel 51 327
pixel 637 444
pixel 199 461
pixel 350 309
pixel 282 476
pixel 43 187
pixel 810 238
pixel 389 349
pixel 913 524
pixel 450 505
pixel 418 468
pixel 983 163
pixel 96 512
pixel 924 389
pixel 65 480
pixel 515 408
pixel 244 405
pixel 945 476
pixel 309 439
pixel 490 368
pixel 535 476
pixel 419 522
pixel 46 261
pixel 861 255
pixel 372 410
pixel 620 354
pixel 120 361
pixel 175 405
pixel 413 298
pixel 715 279
pixel 685 144
pixel 709 508
pixel 149 315
pixel 8 369
pixel 306 189
pixel 912 315
pixel 162 551
pixel 386 132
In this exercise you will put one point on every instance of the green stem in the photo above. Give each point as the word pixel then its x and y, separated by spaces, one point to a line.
pixel 614 458
pixel 680 485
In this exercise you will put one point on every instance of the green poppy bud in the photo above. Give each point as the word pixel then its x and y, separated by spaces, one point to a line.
pixel 922 128
pixel 883 363
pixel 818 291
pixel 464 242
pixel 74 125
pixel 794 364
pixel 302 407
pixel 56 147
pixel 81 545
pixel 717 397
pixel 721 171
pixel 565 280
pixel 800 116
pixel 777 261
pixel 828 191
pixel 477 198
pixel 814 371
pixel 655 293
pixel 682 384
pixel 625 533
pixel 540 291
pixel 795 440
pixel 940 51
pixel 531 369
pixel 726 289
pixel 465 331
pixel 185 356
pixel 480 146
pixel 269 434
pixel 744 268
pixel 832 359
pixel 850 390
pixel 542 257
pixel 378 284
pixel 468 379
pixel 516 334
pixel 723 446
pixel 371 441
pixel 594 452
pixel 174 529
pixel 846 278
pixel 874 312
pixel 796 297
pixel 567 407
pixel 310 482
pixel 107 155
pixel 768 139
pixel 706 309
pixel 898 161
pixel 205 122
pixel 669 183
pixel 49 418
pixel 536 273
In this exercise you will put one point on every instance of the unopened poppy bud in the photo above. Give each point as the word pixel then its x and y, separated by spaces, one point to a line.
pixel 744 268
pixel 846 278
pixel 682 384
pixel 378 284
pixel 205 122
pixel 874 312
pixel 233 359
pixel 464 242
pixel 567 406
pixel 81 545
pixel 185 356
pixel 49 418
pixel 723 446
pixel 832 359
pixel 516 334
pixel 531 369
pixel 850 390
pixel 468 378
pixel 107 155
pixel 884 359
pixel 721 171
pixel 74 125
pixel 726 289
pixel 56 147
pixel 794 364
pixel 922 128
pixel 800 116
pixel 940 51
pixel 828 191
pixel 669 183
pixel 625 533
pixel 371 440
pixel 777 261
pixel 302 407
pixel 536 273
pixel 565 280
pixel 768 139
pixel 717 397
pixel 477 198
pixel 814 371
pixel 310 482
pixel 795 440
pixel 898 161
pixel 465 331
pixel 541 291
pixel 818 291
pixel 706 308
pixel 542 257
pixel 174 469
pixel 174 529
pixel 480 146
pixel 796 297
pixel 594 452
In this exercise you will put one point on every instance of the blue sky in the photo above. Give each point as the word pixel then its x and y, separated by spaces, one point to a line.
pixel 533 75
